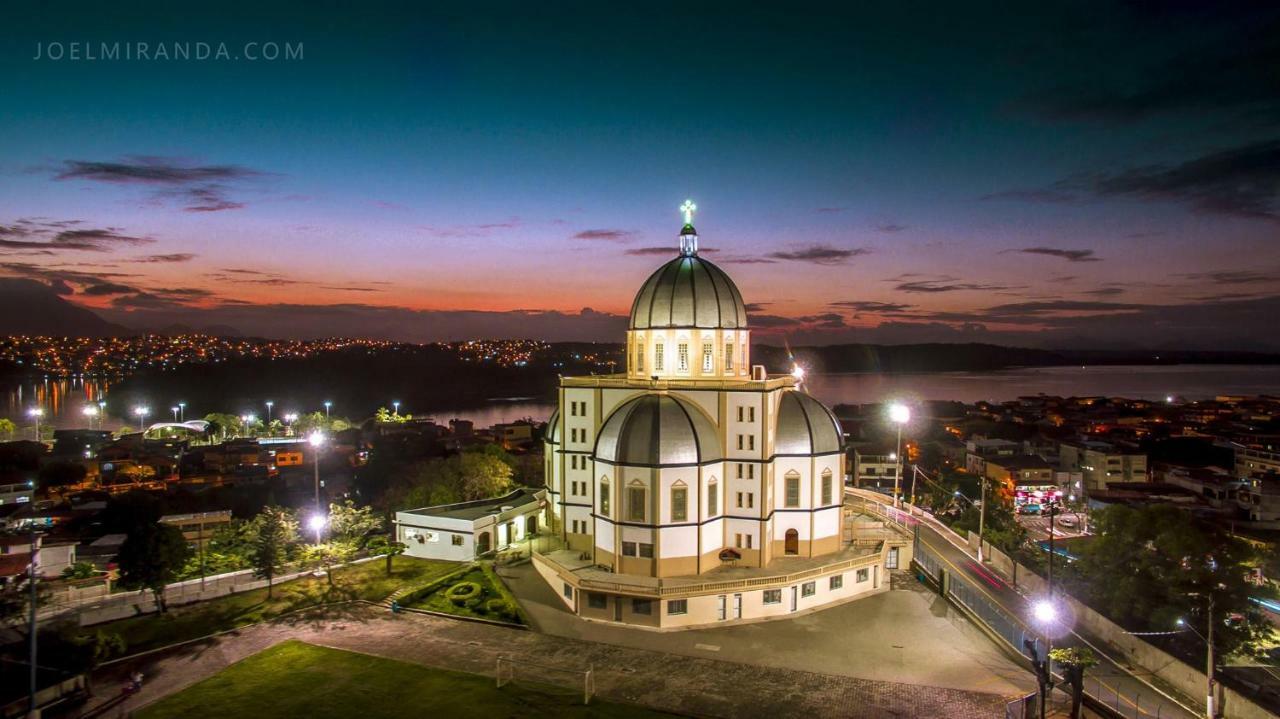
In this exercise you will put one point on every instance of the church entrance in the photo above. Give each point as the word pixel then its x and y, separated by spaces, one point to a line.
pixel 482 543
pixel 791 545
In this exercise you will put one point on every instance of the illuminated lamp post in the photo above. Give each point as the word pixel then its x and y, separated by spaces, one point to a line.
pixel 899 414
pixel 142 413
pixel 327 405
pixel 36 413
pixel 174 409
pixel 182 411
pixel 90 412
pixel 317 441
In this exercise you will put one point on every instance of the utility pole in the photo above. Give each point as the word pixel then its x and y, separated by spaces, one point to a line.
pixel 982 515
pixel 1209 664
pixel 33 626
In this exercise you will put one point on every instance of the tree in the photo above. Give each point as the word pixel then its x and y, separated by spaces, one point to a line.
pixel 1074 661
pixel 482 475
pixel 80 570
pixel 329 555
pixel 275 536
pixel 220 423
pixel 7 428
pixel 1148 567
pixel 352 524
pixel 385 416
pixel 151 557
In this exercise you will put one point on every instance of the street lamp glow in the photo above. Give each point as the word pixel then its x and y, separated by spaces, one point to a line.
pixel 396 405
pixel 899 413
pixel 89 411
pixel 36 412
pixel 798 372
pixel 1044 611
pixel 317 522
pixel 141 411
pixel 316 439
pixel 1181 622
pixel 174 409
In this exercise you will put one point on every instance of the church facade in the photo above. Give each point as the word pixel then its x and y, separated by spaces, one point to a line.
pixel 695 471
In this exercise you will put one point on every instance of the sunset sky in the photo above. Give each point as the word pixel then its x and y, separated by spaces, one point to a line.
pixel 1103 173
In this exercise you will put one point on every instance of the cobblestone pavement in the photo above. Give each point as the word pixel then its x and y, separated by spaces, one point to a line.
pixel 682 684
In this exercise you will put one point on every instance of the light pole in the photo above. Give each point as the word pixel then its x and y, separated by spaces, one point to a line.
pixel 142 413
pixel 327 405
pixel 36 413
pixel 317 523
pixel 1208 641
pixel 174 409
pixel 395 404
pixel 899 414
pixel 268 425
pixel 89 413
pixel 317 440
pixel 982 514
pixel 182 411
pixel 1046 614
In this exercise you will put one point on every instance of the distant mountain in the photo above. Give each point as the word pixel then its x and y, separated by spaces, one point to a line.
pixel 211 330
pixel 33 308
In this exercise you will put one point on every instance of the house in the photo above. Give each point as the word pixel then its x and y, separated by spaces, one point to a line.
pixel 462 531
pixel 198 528
pixel 1102 463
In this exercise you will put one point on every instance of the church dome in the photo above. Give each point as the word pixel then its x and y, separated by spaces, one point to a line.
pixel 688 292
pixel 657 430
pixel 806 427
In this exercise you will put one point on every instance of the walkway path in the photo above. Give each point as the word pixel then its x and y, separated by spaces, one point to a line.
pixel 688 685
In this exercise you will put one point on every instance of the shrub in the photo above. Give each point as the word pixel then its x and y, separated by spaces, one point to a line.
pixel 496 606
pixel 462 592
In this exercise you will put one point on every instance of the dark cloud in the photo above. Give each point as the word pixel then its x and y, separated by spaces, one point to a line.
pixel 172 257
pixel 826 320
pixel 665 250
pixel 1036 309
pixel 610 235
pixel 881 308
pixel 746 261
pixel 890 227
pixel 49 237
pixel 772 321
pixel 757 306
pixel 107 288
pixel 199 188
pixel 819 254
pixel 1233 277
pixel 1069 255
pixel 1106 292
pixel 949 285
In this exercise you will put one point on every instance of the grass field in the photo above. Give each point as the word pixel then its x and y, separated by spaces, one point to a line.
pixel 367 580
pixel 294 679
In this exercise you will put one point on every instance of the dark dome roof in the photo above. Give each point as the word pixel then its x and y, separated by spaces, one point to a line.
pixel 655 430
pixel 806 427
pixel 688 292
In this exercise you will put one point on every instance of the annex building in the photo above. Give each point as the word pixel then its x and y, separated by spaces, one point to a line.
pixel 694 488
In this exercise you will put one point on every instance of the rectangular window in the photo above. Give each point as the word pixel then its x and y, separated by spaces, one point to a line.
pixel 751 471
pixel 739 500
pixel 640 359
pixel 604 498
pixel 751 414
pixel 682 357
pixel 808 589
pixel 642 606
pixel 826 489
pixel 891 561
pixel 635 504
pixel 679 504
pixel 751 500
pixel 713 500
pixel 737 540
pixel 740 415
pixel 728 357
pixel 739 470
pixel 596 600
pixel 456 540
pixel 678 606
pixel 837 581
pixel 748 540
pixel 657 357
pixel 628 549
pixel 773 596
pixel 708 360
pixel 568 591
pixel 739 441
pixel 793 491
pixel 751 441
pixel 646 550
pixel 862 575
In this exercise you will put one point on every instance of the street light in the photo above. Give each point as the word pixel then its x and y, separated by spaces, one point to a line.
pixel 1208 642
pixel 248 420
pixel 174 409
pixel 36 413
pixel 182 411
pixel 327 405
pixel 316 439
pixel 269 404
pixel 142 413
pixel 316 523
pixel 899 414
pixel 90 412
pixel 1045 612
pixel 396 405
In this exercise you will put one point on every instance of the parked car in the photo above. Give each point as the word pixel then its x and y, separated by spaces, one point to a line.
pixel 1068 521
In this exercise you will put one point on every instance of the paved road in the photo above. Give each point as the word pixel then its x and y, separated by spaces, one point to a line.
pixel 1120 687
pixel 1037 526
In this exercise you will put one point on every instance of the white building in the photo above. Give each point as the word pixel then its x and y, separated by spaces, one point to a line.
pixel 463 531
pixel 694 467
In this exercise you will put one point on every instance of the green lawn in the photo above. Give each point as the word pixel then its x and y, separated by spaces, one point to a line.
pixel 367 580
pixel 294 679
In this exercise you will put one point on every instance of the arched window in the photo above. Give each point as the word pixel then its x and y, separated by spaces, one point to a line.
pixel 826 487
pixel 604 496
pixel 637 502
pixel 793 489
pixel 658 358
pixel 682 357
pixel 713 498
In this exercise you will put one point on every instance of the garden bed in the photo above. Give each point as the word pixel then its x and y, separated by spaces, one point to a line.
pixel 474 592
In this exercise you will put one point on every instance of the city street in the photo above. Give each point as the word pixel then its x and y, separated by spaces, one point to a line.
pixel 1037 525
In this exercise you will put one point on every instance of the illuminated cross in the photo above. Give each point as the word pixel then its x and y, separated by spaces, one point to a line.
pixel 688 208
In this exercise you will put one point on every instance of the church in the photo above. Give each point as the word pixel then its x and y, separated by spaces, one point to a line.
pixel 695 488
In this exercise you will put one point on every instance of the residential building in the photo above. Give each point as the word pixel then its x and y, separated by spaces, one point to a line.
pixel 1102 463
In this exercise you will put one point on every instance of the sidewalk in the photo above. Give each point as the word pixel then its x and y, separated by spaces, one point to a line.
pixel 693 686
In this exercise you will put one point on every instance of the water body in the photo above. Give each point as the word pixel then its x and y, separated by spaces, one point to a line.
pixel 64 400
